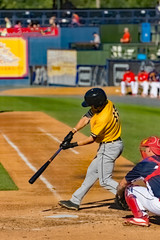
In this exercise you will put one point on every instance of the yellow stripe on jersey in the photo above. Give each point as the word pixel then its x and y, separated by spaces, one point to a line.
pixel 105 125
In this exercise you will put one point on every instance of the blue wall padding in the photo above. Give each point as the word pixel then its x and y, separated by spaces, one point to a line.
pixel 146 32
pixel 37 52
pixel 38 46
pixel 76 34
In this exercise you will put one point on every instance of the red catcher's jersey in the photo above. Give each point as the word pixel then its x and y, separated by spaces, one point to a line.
pixel 142 76
pixel 128 77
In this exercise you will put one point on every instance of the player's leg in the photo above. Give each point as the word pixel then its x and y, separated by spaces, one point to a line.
pixel 134 87
pixel 154 90
pixel 107 155
pixel 144 199
pixel 145 86
pixel 123 88
pixel 139 200
pixel 90 179
pixel 159 89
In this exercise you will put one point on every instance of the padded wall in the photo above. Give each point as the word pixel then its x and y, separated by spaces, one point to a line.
pixel 112 33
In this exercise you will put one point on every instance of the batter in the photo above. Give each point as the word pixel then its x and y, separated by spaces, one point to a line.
pixel 106 131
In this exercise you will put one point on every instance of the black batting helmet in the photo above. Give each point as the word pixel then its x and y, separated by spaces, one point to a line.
pixel 96 97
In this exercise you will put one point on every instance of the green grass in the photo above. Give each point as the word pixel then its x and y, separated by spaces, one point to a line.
pixel 6 182
pixel 138 122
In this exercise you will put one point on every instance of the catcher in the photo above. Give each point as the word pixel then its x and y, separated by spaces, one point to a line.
pixel 139 198
pixel 105 130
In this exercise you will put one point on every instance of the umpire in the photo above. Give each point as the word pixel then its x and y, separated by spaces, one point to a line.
pixel 105 130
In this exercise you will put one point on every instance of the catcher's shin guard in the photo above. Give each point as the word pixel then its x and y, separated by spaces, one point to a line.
pixel 133 205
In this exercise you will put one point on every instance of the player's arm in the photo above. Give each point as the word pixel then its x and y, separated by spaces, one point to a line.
pixel 120 195
pixel 121 187
pixel 131 176
pixel 86 141
pixel 81 124
pixel 126 40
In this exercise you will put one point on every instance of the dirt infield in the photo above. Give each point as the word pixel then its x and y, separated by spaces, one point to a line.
pixel 55 91
pixel 27 141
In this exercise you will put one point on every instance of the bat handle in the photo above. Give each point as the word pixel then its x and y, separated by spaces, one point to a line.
pixel 56 153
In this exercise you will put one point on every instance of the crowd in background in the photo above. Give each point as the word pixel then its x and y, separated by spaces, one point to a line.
pixel 33 27
pixel 144 83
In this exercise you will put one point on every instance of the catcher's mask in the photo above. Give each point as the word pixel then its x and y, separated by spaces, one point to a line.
pixel 153 143
pixel 94 97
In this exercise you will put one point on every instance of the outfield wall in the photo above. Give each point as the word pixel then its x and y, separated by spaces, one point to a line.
pixel 37 48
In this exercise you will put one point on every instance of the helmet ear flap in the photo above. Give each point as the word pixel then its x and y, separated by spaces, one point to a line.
pixel 143 152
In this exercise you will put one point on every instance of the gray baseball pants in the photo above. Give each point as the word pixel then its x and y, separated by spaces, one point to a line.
pixel 100 168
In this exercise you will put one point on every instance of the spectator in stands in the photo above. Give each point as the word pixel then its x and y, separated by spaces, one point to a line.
pixel 143 82
pixel 52 22
pixel 3 32
pixel 29 23
pixel 126 36
pixel 18 25
pixel 51 28
pixel 18 28
pixel 75 20
pixel 154 81
pixel 8 22
pixel 129 81
pixel 35 27
pixel 96 40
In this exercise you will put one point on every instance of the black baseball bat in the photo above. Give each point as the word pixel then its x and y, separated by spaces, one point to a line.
pixel 41 170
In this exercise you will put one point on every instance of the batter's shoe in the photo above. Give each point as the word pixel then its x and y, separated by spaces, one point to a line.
pixel 143 221
pixel 69 205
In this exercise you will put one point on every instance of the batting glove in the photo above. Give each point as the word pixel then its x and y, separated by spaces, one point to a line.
pixel 67 145
pixel 68 137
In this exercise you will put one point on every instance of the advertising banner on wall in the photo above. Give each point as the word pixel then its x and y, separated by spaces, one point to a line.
pixel 91 75
pixel 13 58
pixel 62 67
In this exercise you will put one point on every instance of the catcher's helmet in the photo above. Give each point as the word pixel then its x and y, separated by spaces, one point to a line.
pixel 94 97
pixel 153 143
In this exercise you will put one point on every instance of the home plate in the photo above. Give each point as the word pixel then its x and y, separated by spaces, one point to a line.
pixel 62 216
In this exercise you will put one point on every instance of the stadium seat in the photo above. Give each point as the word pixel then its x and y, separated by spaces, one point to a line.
pixel 116 51
pixel 87 16
pixel 130 53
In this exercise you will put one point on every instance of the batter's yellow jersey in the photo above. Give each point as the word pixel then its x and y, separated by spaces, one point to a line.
pixel 105 125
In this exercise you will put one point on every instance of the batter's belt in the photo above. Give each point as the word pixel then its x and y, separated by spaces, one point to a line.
pixel 118 139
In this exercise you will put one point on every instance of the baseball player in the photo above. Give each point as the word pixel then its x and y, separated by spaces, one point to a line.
pixel 105 130
pixel 140 198
pixel 143 82
pixel 154 81
pixel 129 81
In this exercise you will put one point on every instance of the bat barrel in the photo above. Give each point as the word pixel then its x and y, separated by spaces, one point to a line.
pixel 41 170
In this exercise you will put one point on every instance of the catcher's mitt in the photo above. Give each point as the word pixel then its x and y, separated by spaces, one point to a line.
pixel 121 202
